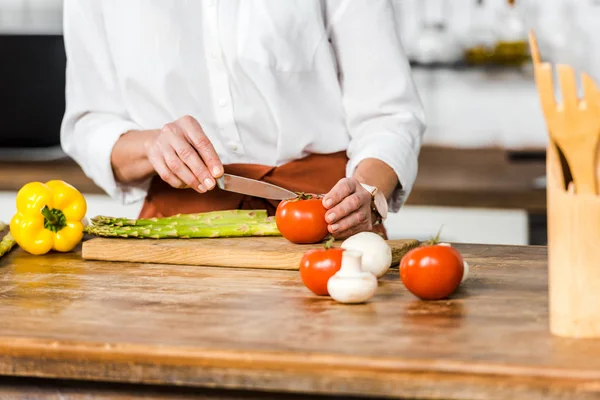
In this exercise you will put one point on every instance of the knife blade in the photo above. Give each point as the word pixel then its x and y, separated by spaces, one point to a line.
pixel 252 187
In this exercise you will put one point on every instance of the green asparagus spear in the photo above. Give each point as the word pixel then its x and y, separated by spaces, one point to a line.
pixel 213 217
pixel 7 242
pixel 184 231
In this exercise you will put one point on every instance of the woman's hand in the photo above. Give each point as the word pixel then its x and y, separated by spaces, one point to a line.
pixel 348 207
pixel 183 156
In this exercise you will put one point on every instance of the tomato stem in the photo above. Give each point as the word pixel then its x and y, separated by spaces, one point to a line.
pixel 329 242
pixel 307 196
pixel 436 239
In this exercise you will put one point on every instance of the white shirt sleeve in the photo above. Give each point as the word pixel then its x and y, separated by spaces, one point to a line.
pixel 95 116
pixel 384 113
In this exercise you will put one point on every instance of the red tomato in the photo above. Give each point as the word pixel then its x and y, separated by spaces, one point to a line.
pixel 317 266
pixel 432 272
pixel 302 220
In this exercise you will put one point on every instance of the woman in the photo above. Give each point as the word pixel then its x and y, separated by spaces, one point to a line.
pixel 163 96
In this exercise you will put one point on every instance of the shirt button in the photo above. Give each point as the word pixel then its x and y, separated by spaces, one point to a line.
pixel 222 102
pixel 233 146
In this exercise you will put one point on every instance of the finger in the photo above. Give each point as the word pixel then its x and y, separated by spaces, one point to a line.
pixel 202 144
pixel 192 160
pixel 357 219
pixel 163 171
pixel 350 232
pixel 347 206
pixel 344 188
pixel 353 230
pixel 179 169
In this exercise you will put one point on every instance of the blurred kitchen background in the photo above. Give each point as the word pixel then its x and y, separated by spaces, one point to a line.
pixel 482 165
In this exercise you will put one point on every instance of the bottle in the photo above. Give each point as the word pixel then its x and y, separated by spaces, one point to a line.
pixel 481 38
pixel 434 43
pixel 512 46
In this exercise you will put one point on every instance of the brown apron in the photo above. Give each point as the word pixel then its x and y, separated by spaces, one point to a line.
pixel 317 173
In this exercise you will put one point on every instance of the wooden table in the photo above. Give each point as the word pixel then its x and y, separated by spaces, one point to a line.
pixel 163 331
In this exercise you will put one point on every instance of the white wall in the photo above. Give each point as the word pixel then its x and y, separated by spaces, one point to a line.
pixel 474 108
pixel 31 16
pixel 546 17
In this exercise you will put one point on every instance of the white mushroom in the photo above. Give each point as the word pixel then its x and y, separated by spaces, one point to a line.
pixel 351 285
pixel 465 264
pixel 466 273
pixel 376 253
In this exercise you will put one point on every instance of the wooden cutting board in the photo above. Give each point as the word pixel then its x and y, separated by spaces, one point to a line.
pixel 251 252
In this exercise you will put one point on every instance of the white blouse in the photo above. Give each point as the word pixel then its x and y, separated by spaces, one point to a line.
pixel 270 81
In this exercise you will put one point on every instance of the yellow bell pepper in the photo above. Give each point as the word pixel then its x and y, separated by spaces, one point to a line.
pixel 49 217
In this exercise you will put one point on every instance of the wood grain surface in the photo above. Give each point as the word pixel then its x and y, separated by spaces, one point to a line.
pixel 481 177
pixel 261 330
pixel 54 389
pixel 250 252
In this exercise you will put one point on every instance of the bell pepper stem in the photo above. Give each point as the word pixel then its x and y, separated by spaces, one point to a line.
pixel 54 219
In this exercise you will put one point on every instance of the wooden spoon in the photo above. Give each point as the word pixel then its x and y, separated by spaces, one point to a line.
pixel 574 125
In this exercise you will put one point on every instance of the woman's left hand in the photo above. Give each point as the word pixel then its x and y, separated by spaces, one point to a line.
pixel 348 207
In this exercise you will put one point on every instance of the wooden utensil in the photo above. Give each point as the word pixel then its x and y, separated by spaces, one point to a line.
pixel 574 124
pixel 573 206
pixel 250 252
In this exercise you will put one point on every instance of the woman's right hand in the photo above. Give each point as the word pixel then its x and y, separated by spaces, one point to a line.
pixel 183 156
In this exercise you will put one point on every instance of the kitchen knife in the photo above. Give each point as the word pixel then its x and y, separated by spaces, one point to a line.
pixel 252 187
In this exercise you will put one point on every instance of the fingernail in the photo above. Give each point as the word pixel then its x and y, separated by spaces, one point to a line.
pixel 217 171
pixel 209 183
pixel 201 188
pixel 335 227
pixel 331 217
pixel 328 203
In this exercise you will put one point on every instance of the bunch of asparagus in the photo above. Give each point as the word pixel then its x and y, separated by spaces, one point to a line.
pixel 7 242
pixel 214 224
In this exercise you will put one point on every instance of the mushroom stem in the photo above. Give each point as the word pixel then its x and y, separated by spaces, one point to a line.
pixel 351 262
pixel 352 285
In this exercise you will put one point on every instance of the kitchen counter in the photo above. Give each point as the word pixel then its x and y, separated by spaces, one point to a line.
pixel 447 177
pixel 165 331
pixel 478 178
pixel 15 174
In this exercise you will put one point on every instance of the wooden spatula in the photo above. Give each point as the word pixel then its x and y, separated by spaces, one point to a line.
pixel 574 124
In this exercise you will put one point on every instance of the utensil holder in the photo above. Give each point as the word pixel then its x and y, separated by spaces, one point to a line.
pixel 573 256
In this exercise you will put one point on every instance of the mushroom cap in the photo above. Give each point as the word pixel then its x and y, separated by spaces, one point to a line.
pixel 352 289
pixel 377 254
